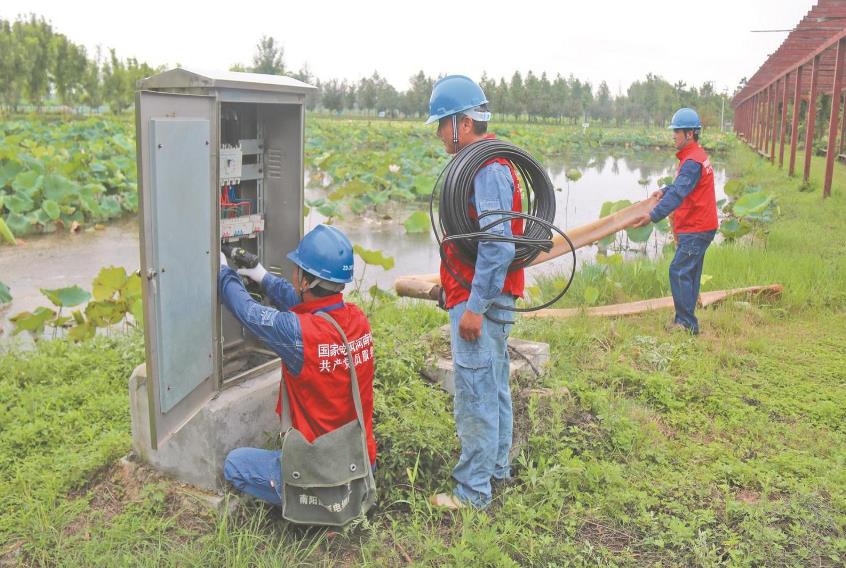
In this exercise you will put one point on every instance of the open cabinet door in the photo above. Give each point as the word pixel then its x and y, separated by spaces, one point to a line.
pixel 176 172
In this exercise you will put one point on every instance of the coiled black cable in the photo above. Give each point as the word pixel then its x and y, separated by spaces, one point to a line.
pixel 455 227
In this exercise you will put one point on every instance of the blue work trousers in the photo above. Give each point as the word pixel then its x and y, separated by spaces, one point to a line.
pixel 256 472
pixel 483 415
pixel 685 275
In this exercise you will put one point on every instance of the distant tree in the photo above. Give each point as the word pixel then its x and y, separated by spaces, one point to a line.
pixel 334 95
pixel 417 96
pixel 367 92
pixel 304 74
pixel 92 84
pixel 602 104
pixel 69 67
pixel 34 38
pixel 269 57
pixel 516 96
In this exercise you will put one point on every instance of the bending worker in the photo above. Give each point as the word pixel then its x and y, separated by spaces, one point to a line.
pixel 693 204
pixel 483 413
pixel 317 383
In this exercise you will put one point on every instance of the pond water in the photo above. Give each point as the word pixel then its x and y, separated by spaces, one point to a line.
pixel 62 259
pixel 605 177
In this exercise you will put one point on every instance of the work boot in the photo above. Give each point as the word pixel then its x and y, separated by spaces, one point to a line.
pixel 446 501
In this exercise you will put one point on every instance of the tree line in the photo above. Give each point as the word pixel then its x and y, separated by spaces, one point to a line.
pixel 38 64
pixel 533 97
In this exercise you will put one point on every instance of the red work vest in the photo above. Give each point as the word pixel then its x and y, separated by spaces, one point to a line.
pixel 698 211
pixel 514 281
pixel 320 397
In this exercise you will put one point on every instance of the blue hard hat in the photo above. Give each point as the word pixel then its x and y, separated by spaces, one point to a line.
pixel 454 94
pixel 326 253
pixel 685 118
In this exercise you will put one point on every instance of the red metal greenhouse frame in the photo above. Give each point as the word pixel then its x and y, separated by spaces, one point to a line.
pixel 809 62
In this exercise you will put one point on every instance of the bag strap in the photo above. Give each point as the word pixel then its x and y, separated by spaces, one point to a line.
pixel 353 375
pixel 357 400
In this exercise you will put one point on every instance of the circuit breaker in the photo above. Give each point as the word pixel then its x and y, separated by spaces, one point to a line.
pixel 220 161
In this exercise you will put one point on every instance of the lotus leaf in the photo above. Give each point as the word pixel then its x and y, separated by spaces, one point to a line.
pixel 33 322
pixel 108 282
pixel 374 257
pixel 67 297
pixel 418 222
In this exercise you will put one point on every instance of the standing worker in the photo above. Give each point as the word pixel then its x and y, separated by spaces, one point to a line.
pixel 483 414
pixel 692 204
pixel 315 369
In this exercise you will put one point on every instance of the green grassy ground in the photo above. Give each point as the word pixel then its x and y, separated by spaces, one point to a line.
pixel 655 449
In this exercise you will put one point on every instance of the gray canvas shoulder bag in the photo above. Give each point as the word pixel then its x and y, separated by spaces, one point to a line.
pixel 328 481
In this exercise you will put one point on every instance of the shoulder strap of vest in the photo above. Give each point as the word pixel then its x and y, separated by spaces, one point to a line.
pixel 353 376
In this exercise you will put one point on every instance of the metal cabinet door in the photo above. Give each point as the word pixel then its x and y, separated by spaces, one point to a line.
pixel 175 149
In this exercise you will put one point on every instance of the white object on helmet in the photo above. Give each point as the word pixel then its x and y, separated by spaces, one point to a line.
pixel 478 115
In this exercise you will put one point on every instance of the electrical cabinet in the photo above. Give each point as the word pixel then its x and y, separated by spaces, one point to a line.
pixel 220 160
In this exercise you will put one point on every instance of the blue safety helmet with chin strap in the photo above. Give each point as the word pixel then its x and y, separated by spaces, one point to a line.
pixel 326 253
pixel 456 94
pixel 684 119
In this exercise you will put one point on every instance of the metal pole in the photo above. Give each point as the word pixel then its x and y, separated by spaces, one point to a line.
pixel 811 119
pixel 723 114
pixel 794 124
pixel 782 128
pixel 835 117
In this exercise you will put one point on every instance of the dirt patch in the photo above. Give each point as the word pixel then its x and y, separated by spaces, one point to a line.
pixel 128 482
pixel 748 496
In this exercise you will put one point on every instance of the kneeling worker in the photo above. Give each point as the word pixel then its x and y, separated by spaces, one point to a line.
pixel 315 368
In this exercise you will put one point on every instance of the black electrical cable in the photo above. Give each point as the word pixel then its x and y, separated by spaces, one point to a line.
pixel 456 228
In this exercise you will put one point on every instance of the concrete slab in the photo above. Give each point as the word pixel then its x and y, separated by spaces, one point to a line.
pixel 527 358
pixel 242 415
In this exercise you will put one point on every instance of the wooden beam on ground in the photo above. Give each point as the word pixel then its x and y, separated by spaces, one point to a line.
pixel 427 286
pixel 633 308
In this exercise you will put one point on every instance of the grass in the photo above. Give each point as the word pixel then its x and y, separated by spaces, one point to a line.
pixel 724 450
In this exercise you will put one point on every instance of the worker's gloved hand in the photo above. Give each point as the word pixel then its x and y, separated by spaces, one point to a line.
pixel 255 274
pixel 223 260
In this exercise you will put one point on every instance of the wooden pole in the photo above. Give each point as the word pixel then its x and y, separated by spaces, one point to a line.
pixel 794 124
pixel 843 129
pixel 811 119
pixel 774 134
pixel 782 128
pixel 765 121
pixel 830 155
pixel 765 142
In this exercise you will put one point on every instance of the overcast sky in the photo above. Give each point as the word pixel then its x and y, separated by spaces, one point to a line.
pixel 618 41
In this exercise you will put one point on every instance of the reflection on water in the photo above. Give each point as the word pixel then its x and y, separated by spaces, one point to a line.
pixel 624 174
